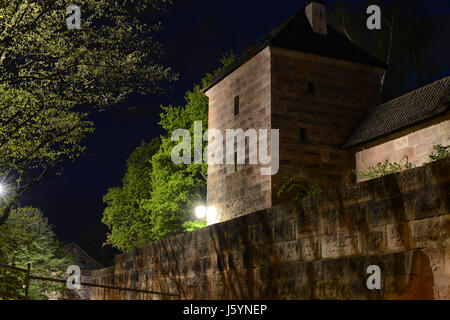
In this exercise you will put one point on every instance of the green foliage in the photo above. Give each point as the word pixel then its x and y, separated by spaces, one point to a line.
pixel 298 187
pixel 49 73
pixel 28 238
pixel 442 152
pixel 194 225
pixel 10 244
pixel 166 208
pixel 113 54
pixel 179 188
pixel 130 225
pixel 384 169
pixel 35 136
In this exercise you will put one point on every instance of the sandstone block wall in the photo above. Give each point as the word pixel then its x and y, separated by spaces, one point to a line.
pixel 287 90
pixel 417 146
pixel 316 248
pixel 327 98
pixel 240 192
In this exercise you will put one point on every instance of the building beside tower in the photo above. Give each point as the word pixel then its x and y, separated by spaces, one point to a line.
pixel 323 93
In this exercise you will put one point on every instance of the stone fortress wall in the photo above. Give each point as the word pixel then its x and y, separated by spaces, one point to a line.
pixel 315 248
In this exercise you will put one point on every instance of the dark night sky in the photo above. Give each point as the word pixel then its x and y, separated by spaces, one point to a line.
pixel 197 33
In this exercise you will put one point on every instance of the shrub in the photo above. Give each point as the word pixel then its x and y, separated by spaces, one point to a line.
pixel 298 187
pixel 384 169
pixel 194 225
pixel 442 152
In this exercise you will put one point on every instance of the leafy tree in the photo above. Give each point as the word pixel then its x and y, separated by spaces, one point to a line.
pixel 405 42
pixel 129 224
pixel 28 238
pixel 49 73
pixel 177 189
pixel 171 191
pixel 10 243
pixel 115 52
pixel 33 139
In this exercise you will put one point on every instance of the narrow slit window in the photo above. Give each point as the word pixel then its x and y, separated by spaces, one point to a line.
pixel 303 135
pixel 236 106
pixel 311 87
pixel 235 161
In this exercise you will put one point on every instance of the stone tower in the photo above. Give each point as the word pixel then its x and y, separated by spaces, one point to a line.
pixel 306 79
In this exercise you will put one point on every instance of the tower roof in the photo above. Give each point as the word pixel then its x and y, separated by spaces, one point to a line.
pixel 297 34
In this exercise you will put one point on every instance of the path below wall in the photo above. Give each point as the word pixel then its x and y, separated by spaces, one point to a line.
pixel 316 248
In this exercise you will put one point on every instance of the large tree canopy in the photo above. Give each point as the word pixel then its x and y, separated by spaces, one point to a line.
pixel 33 136
pixel 50 73
pixel 115 52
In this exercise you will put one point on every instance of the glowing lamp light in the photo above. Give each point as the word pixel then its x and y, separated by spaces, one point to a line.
pixel 201 212
pixel 211 215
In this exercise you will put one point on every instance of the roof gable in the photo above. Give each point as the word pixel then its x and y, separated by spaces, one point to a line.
pixel 84 260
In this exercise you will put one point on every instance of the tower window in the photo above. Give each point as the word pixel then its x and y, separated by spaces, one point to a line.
pixel 235 162
pixel 311 87
pixel 303 135
pixel 236 106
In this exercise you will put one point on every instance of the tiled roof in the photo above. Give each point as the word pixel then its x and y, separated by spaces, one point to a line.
pixel 422 104
pixel 297 34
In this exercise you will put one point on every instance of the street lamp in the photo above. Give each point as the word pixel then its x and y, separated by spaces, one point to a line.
pixel 208 213
pixel 200 212
pixel 211 215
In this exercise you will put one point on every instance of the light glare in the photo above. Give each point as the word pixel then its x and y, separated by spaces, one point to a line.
pixel 211 215
pixel 200 212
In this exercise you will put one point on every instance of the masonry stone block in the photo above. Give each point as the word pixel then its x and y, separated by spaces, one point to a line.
pixel 331 290
pixel 442 288
pixel 429 204
pixel 309 248
pixel 307 222
pixel 437 173
pixel 357 193
pixel 340 245
pixel 398 236
pixel 289 251
pixel 374 240
pixel 332 221
pixel 357 216
pixel 431 233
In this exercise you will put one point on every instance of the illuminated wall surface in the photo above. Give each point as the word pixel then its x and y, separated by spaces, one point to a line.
pixel 317 248
pixel 417 146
